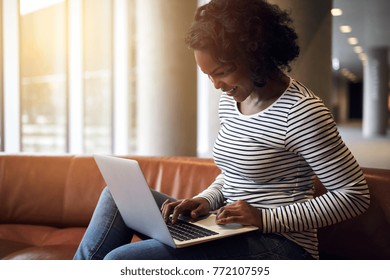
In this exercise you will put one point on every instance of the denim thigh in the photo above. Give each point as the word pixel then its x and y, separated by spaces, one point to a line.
pixel 248 246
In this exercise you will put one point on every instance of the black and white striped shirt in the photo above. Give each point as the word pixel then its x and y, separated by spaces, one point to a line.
pixel 269 159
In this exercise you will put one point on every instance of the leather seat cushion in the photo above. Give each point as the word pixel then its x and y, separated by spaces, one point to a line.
pixel 38 242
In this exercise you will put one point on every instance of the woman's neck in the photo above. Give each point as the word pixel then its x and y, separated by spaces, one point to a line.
pixel 262 97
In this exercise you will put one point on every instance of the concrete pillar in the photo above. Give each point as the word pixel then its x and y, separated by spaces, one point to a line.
pixel 340 97
pixel 313 24
pixel 343 100
pixel 208 120
pixel 166 84
pixel 375 93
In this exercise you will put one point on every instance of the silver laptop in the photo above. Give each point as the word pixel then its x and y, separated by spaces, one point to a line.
pixel 140 212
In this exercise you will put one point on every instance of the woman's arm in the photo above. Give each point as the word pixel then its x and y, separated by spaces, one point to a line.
pixel 312 134
pixel 213 194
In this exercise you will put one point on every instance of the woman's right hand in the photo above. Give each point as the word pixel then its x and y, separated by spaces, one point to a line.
pixel 193 207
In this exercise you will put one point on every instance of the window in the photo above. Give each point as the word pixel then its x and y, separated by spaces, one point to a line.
pixel 43 79
pixel 71 80
pixel 97 75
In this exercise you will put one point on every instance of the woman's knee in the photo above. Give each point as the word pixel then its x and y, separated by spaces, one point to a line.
pixel 160 198
pixel 142 250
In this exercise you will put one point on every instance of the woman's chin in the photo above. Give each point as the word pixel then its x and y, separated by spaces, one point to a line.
pixel 238 99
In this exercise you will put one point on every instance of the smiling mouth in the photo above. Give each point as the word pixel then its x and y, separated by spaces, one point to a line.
pixel 230 91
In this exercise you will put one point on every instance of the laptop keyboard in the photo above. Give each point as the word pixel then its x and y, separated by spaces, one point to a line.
pixel 183 231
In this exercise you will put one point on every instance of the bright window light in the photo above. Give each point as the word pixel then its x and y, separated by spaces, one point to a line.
pixel 30 6
pixel 336 12
pixel 345 28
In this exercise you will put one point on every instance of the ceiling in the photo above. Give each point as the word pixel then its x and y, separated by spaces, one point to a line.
pixel 370 22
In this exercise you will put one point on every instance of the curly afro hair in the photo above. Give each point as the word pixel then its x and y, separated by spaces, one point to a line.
pixel 249 32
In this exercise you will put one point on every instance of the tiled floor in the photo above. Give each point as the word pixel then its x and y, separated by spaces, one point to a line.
pixel 373 152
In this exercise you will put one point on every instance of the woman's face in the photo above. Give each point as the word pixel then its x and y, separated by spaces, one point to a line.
pixel 233 80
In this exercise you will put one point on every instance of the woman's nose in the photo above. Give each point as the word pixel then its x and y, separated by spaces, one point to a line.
pixel 216 82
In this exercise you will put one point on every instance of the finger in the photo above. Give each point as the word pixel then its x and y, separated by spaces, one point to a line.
pixel 231 220
pixel 168 209
pixel 166 202
pixel 166 212
pixel 198 211
pixel 228 211
pixel 220 211
pixel 187 206
pixel 230 214
pixel 180 208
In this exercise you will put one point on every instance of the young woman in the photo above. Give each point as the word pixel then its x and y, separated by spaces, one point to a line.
pixel 275 136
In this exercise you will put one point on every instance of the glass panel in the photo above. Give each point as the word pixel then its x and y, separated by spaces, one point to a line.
pixel 132 78
pixel 43 78
pixel 97 76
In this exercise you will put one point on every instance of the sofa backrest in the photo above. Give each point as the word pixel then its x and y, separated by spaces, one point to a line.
pixel 63 190
pixel 47 190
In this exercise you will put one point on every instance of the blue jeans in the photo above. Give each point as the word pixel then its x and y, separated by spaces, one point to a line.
pixel 107 237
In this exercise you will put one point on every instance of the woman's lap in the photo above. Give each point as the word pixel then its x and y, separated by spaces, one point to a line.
pixel 108 237
pixel 252 245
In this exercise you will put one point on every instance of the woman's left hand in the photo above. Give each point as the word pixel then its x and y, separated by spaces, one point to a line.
pixel 239 212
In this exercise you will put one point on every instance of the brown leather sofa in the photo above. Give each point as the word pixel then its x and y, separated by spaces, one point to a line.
pixel 46 203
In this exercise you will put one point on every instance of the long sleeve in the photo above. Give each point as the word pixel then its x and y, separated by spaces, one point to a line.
pixel 312 134
pixel 213 193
